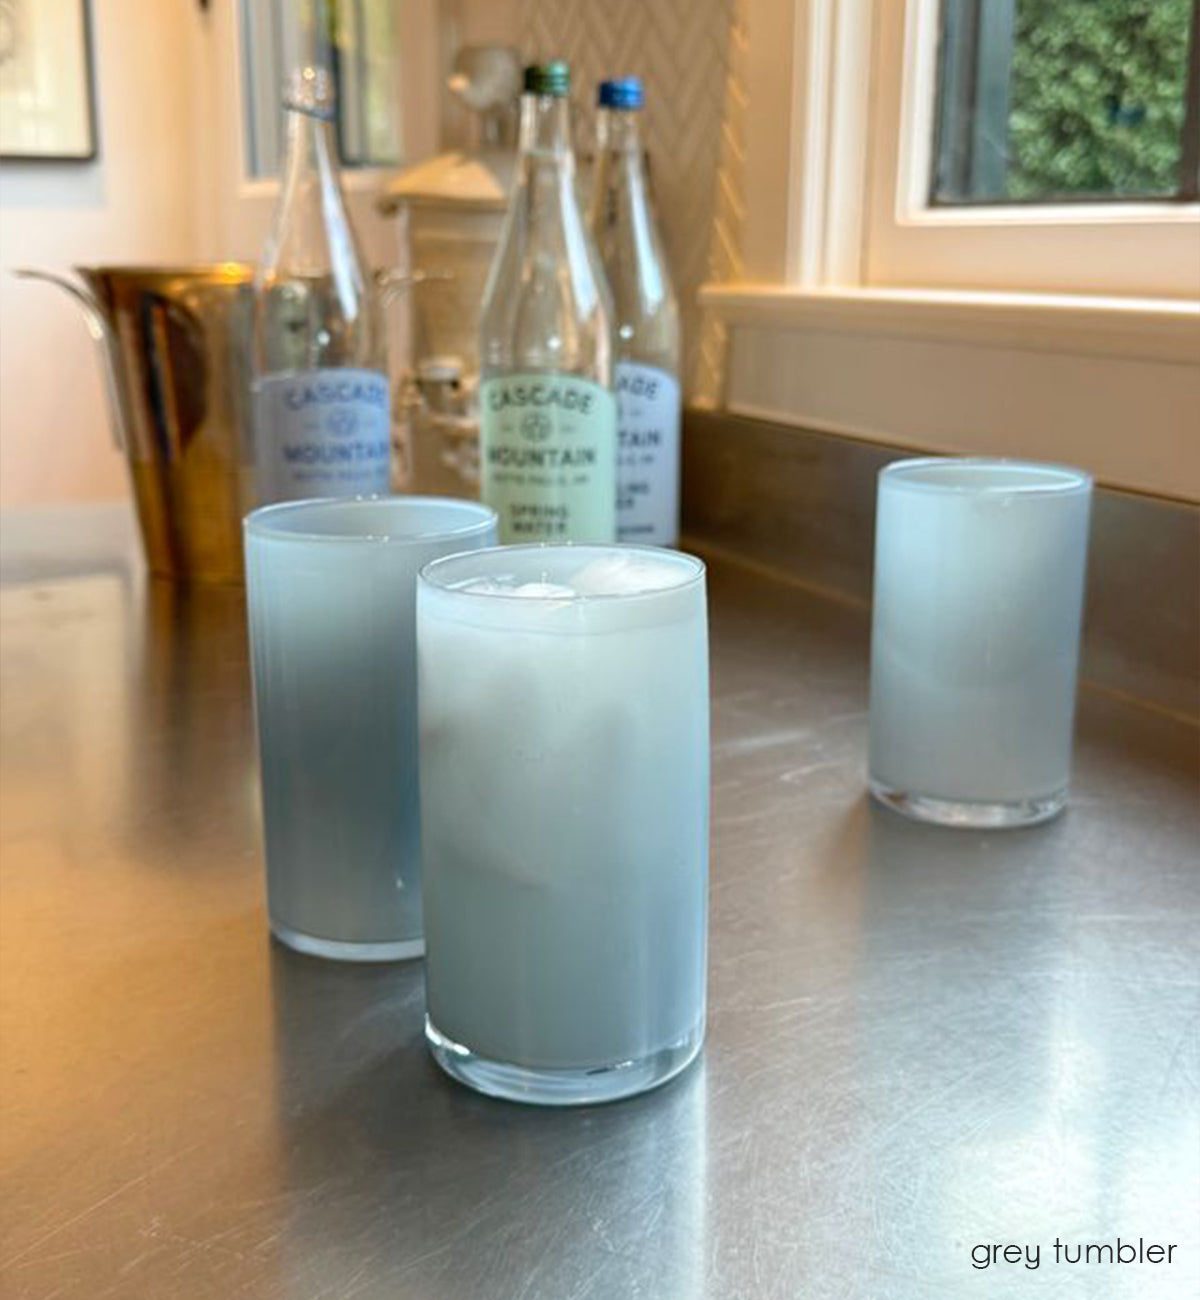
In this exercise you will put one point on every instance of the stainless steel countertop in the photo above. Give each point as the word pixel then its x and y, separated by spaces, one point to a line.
pixel 919 1040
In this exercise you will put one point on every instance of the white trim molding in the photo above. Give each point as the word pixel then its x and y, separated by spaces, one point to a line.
pixel 839 129
pixel 1146 248
pixel 1111 386
pixel 808 72
pixel 1056 332
pixel 1151 329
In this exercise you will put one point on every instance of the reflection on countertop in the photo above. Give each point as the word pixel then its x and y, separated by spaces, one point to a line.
pixel 919 1039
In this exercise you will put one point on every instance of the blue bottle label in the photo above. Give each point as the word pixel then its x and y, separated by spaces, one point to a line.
pixel 648 455
pixel 322 433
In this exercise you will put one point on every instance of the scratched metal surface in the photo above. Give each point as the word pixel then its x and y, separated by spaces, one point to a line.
pixel 918 1040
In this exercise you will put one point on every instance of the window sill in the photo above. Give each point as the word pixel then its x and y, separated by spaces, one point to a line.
pixel 1152 329
pixel 1112 385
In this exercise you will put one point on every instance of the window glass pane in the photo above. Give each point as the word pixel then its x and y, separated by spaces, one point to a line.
pixel 364 59
pixel 1043 100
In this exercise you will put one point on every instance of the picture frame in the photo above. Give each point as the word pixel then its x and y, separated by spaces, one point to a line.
pixel 47 95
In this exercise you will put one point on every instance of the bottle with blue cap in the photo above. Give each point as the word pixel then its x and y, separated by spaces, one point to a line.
pixel 548 417
pixel 621 216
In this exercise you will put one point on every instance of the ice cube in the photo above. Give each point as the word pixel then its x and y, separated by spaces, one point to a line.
pixel 624 575
pixel 544 591
pixel 510 587
pixel 485 587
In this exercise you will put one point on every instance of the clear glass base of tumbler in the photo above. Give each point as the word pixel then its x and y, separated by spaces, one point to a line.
pixel 968 814
pixel 337 950
pixel 540 1087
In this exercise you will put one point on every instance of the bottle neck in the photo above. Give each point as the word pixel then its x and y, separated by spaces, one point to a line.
pixel 311 235
pixel 308 101
pixel 618 130
pixel 622 220
pixel 545 129
pixel 619 194
pixel 310 144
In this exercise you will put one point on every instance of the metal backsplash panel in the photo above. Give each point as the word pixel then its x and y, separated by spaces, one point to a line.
pixel 690 53
pixel 803 504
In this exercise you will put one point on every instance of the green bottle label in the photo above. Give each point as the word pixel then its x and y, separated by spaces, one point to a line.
pixel 548 452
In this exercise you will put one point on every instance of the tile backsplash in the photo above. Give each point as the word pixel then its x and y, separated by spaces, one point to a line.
pixel 690 53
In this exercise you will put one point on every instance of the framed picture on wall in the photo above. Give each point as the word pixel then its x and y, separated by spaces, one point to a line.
pixel 46 81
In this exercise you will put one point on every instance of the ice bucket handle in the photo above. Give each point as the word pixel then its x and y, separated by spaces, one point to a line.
pixel 100 329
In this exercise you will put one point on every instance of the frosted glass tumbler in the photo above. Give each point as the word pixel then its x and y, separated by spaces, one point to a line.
pixel 331 587
pixel 564 802
pixel 979 572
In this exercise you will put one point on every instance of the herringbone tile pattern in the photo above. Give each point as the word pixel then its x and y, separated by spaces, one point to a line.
pixel 690 55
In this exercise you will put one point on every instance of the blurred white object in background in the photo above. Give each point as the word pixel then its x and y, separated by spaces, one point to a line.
pixel 487 78
pixel 450 210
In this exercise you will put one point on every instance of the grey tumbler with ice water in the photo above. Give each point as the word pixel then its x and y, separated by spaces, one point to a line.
pixel 331 591
pixel 564 797
pixel 979 578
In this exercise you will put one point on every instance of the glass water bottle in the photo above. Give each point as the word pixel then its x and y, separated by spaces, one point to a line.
pixel 322 406
pixel 647 323
pixel 547 411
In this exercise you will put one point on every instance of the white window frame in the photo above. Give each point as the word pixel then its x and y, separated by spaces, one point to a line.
pixel 1127 249
pixel 259 92
pixel 864 312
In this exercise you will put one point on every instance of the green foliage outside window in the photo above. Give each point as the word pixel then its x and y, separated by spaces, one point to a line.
pixel 1097 97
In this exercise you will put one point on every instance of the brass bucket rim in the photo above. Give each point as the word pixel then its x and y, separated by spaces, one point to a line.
pixel 215 272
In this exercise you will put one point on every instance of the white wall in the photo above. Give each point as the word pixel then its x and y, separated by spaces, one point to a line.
pixel 131 204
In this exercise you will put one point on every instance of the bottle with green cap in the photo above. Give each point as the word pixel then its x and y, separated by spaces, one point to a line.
pixel 548 425
pixel 646 316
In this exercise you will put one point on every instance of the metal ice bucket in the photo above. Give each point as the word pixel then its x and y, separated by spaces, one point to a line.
pixel 175 344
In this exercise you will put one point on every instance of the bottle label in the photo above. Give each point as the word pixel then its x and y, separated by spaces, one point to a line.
pixel 548 457
pixel 322 433
pixel 648 455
